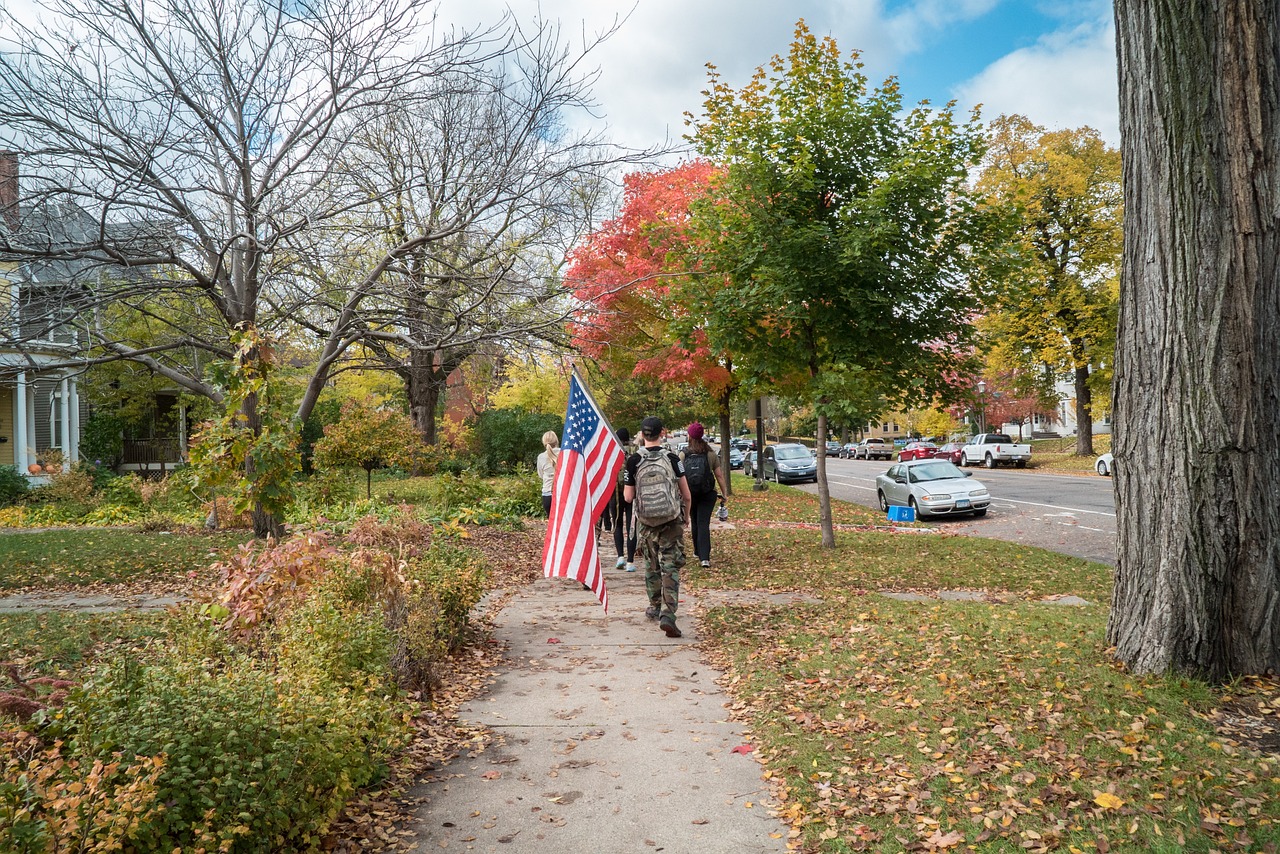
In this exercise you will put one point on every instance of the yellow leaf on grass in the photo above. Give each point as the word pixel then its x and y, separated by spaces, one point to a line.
pixel 1107 801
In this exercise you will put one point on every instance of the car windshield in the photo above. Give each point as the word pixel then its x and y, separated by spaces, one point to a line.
pixel 794 452
pixel 933 471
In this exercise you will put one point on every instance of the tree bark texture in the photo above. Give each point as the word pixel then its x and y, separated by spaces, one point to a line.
pixel 1197 372
pixel 1084 413
pixel 726 433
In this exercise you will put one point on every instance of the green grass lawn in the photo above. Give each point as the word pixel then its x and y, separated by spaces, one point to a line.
pixel 1059 455
pixel 934 726
pixel 73 557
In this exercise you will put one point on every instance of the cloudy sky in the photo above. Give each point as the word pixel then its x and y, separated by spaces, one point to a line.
pixel 1051 60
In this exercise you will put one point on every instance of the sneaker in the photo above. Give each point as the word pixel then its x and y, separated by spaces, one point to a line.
pixel 669 626
pixel 622 561
pixel 631 567
pixel 706 564
pixel 652 612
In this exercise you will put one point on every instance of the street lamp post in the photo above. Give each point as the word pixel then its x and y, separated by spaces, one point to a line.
pixel 982 406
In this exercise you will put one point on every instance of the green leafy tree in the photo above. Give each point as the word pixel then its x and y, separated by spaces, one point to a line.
pixel 1059 309
pixel 369 437
pixel 253 447
pixel 843 227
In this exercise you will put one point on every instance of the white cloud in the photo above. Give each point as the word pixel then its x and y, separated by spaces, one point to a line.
pixel 1067 80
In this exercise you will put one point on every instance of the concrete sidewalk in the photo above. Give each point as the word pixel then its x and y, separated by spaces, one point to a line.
pixel 612 738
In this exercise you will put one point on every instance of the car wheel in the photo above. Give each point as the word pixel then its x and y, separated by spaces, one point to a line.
pixel 1103 470
pixel 978 514
pixel 915 511
pixel 884 502
pixel 1021 464
pixel 991 461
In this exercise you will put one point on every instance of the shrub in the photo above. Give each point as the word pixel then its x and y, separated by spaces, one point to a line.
pixel 251 761
pixel 70 487
pixel 47 796
pixel 509 437
pixel 102 439
pixel 449 492
pixel 264 580
pixel 13 485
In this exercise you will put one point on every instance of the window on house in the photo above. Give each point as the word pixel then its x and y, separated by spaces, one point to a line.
pixel 55 419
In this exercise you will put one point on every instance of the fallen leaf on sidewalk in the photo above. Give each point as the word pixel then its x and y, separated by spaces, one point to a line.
pixel 743 749
pixel 491 775
pixel 700 821
pixel 553 640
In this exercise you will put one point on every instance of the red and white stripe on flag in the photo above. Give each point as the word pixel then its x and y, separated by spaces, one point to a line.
pixel 590 457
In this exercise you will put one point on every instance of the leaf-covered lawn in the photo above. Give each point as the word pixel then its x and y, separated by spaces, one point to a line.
pixel 897 726
pixel 62 558
pixel 787 558
pixel 787 504
pixel 60 643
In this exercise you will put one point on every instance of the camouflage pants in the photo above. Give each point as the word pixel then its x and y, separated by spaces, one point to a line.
pixel 663 551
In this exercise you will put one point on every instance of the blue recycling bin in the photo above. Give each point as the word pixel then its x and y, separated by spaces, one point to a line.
pixel 902 514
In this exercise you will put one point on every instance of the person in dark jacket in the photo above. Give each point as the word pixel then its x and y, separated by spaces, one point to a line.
pixel 703 472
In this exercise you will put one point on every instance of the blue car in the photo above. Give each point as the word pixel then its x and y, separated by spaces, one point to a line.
pixel 736 459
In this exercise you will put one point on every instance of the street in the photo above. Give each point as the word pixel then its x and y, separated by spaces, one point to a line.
pixel 1071 514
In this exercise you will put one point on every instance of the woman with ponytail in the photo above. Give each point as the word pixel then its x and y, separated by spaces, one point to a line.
pixel 547 467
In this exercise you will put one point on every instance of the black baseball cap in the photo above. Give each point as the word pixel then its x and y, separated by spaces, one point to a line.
pixel 651 426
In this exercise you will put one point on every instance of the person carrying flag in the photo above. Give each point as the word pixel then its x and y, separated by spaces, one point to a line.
pixel 589 459
pixel 654 482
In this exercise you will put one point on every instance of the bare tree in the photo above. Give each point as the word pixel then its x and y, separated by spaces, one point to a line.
pixel 485 166
pixel 1197 375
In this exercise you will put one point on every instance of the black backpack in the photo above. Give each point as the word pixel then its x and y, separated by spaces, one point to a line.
pixel 697 472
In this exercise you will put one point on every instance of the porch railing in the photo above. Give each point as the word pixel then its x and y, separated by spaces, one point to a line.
pixel 147 452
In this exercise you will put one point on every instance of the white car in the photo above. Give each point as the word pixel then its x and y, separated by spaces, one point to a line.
pixel 933 488
pixel 1106 465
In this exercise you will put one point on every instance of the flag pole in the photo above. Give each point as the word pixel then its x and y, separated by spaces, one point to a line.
pixel 586 386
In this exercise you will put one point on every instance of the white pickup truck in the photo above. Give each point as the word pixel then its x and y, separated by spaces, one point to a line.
pixel 993 449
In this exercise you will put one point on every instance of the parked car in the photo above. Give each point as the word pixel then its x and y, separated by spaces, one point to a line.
pixel 993 449
pixel 788 464
pixel 873 448
pixel 949 452
pixel 846 451
pixel 1106 465
pixel 833 448
pixel 933 488
pixel 740 444
pixel 749 463
pixel 918 451
pixel 736 458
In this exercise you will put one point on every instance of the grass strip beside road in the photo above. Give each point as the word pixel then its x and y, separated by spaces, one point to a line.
pixel 792 559
pixel 893 726
pixel 937 726
pixel 65 558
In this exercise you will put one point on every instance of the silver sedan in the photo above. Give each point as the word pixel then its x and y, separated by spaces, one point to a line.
pixel 933 488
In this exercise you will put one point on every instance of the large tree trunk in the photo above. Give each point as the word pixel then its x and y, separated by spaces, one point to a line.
pixel 824 490
pixel 1084 413
pixel 423 387
pixel 726 397
pixel 1197 373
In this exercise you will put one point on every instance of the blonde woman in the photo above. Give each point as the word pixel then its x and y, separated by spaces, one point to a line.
pixel 547 467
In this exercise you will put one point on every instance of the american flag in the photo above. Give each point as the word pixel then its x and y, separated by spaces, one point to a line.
pixel 590 457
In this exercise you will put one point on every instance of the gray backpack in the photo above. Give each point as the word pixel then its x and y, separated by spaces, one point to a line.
pixel 657 492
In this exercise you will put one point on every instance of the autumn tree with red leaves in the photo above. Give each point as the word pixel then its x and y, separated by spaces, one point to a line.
pixel 633 275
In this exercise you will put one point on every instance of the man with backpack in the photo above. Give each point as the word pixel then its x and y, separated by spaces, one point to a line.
pixel 654 483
